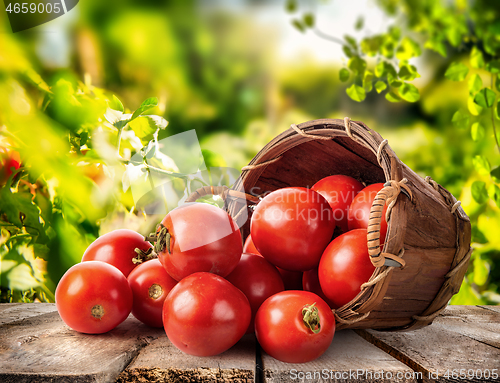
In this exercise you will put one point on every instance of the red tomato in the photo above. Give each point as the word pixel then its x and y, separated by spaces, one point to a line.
pixel 292 280
pixel 339 191
pixel 93 297
pixel 249 246
pixel 310 282
pixel 281 329
pixel 345 266
pixel 202 238
pixel 257 279
pixel 117 248
pixel 205 315
pixel 359 212
pixel 150 285
pixel 9 160
pixel 291 227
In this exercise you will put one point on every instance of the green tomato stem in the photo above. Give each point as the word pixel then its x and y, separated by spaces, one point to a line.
pixel 310 317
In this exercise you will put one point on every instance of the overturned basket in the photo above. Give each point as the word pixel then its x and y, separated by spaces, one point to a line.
pixel 427 247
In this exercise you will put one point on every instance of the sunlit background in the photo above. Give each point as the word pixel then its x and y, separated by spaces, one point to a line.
pixel 239 73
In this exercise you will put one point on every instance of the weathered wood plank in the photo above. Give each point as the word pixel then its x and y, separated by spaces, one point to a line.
pixel 11 312
pixel 349 359
pixel 161 361
pixel 462 340
pixel 481 324
pixel 43 349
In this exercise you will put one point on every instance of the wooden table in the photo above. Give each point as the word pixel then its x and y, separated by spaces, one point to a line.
pixel 463 344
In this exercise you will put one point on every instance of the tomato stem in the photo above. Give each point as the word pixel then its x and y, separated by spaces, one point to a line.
pixel 162 239
pixel 310 317
pixel 143 256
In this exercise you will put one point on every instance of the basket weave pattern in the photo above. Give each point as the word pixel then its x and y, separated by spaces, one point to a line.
pixel 430 231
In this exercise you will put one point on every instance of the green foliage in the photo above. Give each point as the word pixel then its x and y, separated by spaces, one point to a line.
pixel 467 37
pixel 456 71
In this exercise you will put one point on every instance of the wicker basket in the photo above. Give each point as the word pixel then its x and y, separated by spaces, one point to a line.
pixel 427 249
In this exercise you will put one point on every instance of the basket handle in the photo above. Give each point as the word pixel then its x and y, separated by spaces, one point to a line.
pixel 223 191
pixel 387 195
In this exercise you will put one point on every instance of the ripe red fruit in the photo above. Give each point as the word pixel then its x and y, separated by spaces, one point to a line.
pixel 199 237
pixel 205 315
pixel 339 191
pixel 117 248
pixel 150 285
pixel 344 267
pixel 359 211
pixel 257 279
pixel 93 297
pixel 291 227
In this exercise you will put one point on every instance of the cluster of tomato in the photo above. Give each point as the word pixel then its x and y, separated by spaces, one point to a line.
pixel 207 290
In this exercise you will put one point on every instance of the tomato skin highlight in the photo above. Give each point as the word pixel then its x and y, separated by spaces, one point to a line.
pixel 150 285
pixel 339 190
pixel 92 285
pixel 257 279
pixel 117 248
pixel 344 267
pixel 281 331
pixel 291 227
pixel 203 238
pixel 359 211
pixel 204 314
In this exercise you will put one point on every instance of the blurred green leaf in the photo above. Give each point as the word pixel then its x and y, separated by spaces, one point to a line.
pixel 475 84
pixel 437 45
pixel 145 126
pixel 344 75
pixel 309 20
pixel 396 83
pixel 485 98
pixel 356 92
pixel 291 5
pixel 494 194
pixel 116 104
pixel 359 23
pixel 473 108
pixel 37 80
pixel 454 35
pixel 460 119
pixel 493 66
pixel 392 97
pixel 380 69
pixel 20 210
pixel 479 193
pixel 347 51
pixel 145 106
pixel 380 86
pixel 351 41
pixel 481 270
pixel 476 58
pixel 357 65
pixel 409 92
pixel 299 25
pixel 478 236
pixel 408 73
pixel 482 165
pixel 495 173
pixel 456 71
pixel 477 131
pixel 371 45
pixel 408 49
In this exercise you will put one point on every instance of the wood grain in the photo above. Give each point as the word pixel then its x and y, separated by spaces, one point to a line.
pixel 462 338
pixel 161 361
pixel 43 349
pixel 348 356
pixel 11 312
